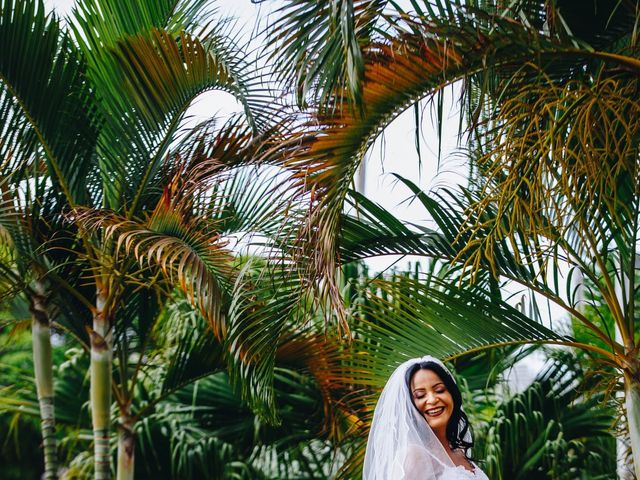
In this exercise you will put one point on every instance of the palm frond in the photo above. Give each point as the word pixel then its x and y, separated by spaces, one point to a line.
pixel 551 181
pixel 265 302
pixel 189 252
pixel 324 357
pixel 397 74
pixel 318 47
pixel 148 83
pixel 404 316
pixel 526 260
pixel 370 230
pixel 44 99
pixel 412 317
pixel 103 23
pixel 233 178
pixel 553 418
pixel 100 26
pixel 253 200
pixel 425 56
pixel 211 413
pixel 146 75
pixel 194 356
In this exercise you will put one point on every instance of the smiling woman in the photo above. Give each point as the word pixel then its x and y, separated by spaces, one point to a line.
pixel 419 430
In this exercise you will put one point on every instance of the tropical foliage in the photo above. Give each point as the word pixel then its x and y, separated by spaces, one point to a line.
pixel 552 139
pixel 124 231
pixel 90 112
pixel 194 423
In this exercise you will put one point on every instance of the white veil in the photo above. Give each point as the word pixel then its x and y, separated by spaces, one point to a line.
pixel 401 444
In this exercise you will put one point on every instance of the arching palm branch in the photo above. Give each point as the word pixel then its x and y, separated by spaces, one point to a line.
pixel 447 243
pixel 30 207
pixel 213 194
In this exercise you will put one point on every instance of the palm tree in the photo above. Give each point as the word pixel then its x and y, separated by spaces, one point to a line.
pixel 408 315
pixel 191 420
pixel 548 102
pixel 99 105
pixel 31 222
pixel 23 273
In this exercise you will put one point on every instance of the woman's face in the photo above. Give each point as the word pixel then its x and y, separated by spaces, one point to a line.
pixel 433 400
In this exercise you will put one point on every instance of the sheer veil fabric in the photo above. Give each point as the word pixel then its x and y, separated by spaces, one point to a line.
pixel 401 444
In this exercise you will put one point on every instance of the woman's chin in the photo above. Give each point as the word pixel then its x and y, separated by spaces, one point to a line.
pixel 436 423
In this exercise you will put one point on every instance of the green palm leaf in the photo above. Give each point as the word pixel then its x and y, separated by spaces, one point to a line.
pixel 44 98
pixel 318 47
pixel 553 417
pixel 266 301
pixel 184 348
pixel 151 104
pixel 106 22
pixel 190 253
pixel 146 75
pixel 452 242
pixel 372 231
pixel 408 315
pixel 426 55
pixel 411 317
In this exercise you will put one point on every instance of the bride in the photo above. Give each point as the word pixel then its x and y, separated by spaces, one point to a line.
pixel 419 431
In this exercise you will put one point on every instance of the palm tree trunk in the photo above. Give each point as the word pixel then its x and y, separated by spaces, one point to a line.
pixel 101 354
pixel 632 406
pixel 126 448
pixel 43 369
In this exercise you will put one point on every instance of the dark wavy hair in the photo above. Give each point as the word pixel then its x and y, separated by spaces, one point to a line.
pixel 458 425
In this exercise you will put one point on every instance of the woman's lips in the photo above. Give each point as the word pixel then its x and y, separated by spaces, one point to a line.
pixel 434 412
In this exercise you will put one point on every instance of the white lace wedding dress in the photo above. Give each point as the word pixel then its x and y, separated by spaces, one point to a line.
pixel 461 473
pixel 416 465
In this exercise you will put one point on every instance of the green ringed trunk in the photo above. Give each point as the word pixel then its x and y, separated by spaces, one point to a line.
pixel 101 405
pixel 43 367
pixel 126 449
pixel 101 356
pixel 632 406
pixel 43 370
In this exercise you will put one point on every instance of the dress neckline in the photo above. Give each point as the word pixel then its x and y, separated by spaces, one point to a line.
pixel 473 465
pixel 466 469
